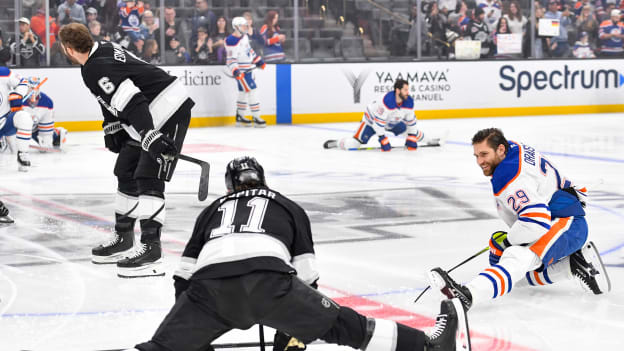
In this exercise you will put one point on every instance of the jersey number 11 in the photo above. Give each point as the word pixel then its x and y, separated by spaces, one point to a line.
pixel 254 222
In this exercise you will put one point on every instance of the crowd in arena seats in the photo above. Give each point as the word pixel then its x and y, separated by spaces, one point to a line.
pixel 329 31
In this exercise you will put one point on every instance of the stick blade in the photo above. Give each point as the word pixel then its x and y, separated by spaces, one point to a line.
pixel 202 194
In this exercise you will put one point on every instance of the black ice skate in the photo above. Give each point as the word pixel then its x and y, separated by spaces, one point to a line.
pixel 146 261
pixel 4 214
pixel 588 269
pixel 241 121
pixel 23 161
pixel 259 122
pixel 114 250
pixel 441 280
pixel 330 144
pixel 451 332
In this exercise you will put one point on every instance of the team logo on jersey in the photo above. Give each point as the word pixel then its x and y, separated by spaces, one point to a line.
pixel 356 82
pixel 566 79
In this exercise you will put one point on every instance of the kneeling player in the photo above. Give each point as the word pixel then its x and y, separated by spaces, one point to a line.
pixel 15 124
pixel 250 260
pixel 394 114
pixel 41 108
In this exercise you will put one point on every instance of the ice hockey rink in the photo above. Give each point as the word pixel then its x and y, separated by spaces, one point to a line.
pixel 380 220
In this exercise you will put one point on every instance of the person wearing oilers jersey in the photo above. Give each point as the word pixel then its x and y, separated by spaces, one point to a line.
pixel 146 115
pixel 15 124
pixel 393 114
pixel 240 61
pixel 547 239
pixel 250 260
pixel 41 108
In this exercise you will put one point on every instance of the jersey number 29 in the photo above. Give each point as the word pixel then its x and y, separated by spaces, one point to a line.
pixel 254 222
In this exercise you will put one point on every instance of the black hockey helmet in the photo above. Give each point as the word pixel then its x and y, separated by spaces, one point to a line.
pixel 242 173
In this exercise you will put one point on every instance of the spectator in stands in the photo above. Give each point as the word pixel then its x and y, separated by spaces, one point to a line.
pixel 449 5
pixel 541 43
pixel 580 5
pixel 611 34
pixel 95 28
pixel 202 54
pixel 5 52
pixel 463 19
pixel 502 28
pixel 108 14
pixel 30 47
pixel 130 15
pixel 516 21
pixel 174 28
pixel 151 53
pixel 582 49
pixel 57 56
pixel 149 25
pixel 492 10
pixel 38 26
pixel 69 12
pixel 218 41
pixel 587 22
pixel 92 15
pixel 478 30
pixel 273 39
pixel 416 18
pixel 202 17
pixel 255 39
pixel 436 26
pixel 177 54
pixel 559 45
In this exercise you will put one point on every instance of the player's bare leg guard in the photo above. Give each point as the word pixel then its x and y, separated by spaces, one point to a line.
pixel 120 245
pixel 147 257
pixel 241 109
pixel 254 106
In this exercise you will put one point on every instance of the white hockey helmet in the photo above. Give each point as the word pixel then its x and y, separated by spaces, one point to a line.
pixel 237 22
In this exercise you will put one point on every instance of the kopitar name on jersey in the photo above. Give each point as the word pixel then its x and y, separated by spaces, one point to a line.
pixel 567 79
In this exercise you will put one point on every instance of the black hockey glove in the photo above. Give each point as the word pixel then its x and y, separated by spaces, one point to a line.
pixel 180 284
pixel 162 149
pixel 114 136
pixel 284 342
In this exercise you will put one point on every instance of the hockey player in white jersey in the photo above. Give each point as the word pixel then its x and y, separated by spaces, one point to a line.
pixel 241 60
pixel 547 238
pixel 41 108
pixel 15 124
pixel 394 113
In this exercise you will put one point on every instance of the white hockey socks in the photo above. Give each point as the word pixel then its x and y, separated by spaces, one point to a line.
pixel 254 104
pixel 241 104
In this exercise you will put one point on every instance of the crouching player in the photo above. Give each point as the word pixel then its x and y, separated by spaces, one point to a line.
pixel 393 114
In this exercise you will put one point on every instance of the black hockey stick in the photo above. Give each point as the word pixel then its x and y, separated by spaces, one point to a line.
pixel 202 193
pixel 487 248
pixel 261 331
pixel 333 144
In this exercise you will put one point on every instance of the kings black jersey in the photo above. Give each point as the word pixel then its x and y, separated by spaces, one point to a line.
pixel 250 230
pixel 139 95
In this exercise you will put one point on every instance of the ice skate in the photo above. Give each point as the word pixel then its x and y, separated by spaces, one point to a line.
pixel 441 280
pixel 330 144
pixel 451 331
pixel 23 161
pixel 114 250
pixel 241 121
pixel 587 268
pixel 146 261
pixel 259 122
pixel 5 218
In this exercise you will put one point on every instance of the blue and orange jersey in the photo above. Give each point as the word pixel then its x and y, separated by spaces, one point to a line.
pixel 273 50
pixel 610 44
pixel 131 18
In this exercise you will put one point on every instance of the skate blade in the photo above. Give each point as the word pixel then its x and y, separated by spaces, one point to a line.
pixel 593 257
pixel 259 125
pixel 435 280
pixel 6 220
pixel 462 338
pixel 243 125
pixel 152 270
pixel 112 259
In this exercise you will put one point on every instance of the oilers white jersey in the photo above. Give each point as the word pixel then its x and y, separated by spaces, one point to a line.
pixel 240 55
pixel 9 82
pixel 524 184
pixel 42 113
pixel 385 114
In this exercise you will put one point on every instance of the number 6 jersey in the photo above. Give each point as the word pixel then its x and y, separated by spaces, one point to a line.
pixel 250 230
pixel 524 184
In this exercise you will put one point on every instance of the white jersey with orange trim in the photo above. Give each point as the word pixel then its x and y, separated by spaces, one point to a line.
pixel 240 55
pixel 9 85
pixel 523 184
pixel 384 114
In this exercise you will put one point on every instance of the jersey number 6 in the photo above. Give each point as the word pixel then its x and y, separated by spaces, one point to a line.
pixel 107 86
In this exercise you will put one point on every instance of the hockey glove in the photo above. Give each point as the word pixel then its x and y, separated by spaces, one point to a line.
pixel 284 342
pixel 385 143
pixel 238 74
pixel 410 142
pixel 498 244
pixel 114 136
pixel 180 284
pixel 259 63
pixel 162 149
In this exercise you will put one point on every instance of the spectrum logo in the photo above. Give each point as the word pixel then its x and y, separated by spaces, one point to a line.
pixel 558 79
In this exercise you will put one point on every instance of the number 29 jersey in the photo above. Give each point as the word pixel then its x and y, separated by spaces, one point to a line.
pixel 524 184
pixel 251 230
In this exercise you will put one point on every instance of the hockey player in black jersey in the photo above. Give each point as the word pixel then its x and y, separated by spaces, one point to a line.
pixel 250 260
pixel 141 104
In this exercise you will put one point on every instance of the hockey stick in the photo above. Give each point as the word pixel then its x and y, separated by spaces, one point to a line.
pixel 333 144
pixel 261 331
pixel 44 149
pixel 202 193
